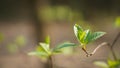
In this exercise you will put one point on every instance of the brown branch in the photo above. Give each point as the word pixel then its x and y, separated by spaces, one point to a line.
pixel 87 54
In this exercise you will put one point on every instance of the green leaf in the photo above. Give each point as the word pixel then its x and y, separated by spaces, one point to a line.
pixel 58 48
pixel 96 35
pixel 101 64
pixel 47 40
pixel 78 31
pixel 45 47
pixel 87 37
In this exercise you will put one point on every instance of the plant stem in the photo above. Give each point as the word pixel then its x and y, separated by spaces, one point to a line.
pixel 87 54
pixel 50 61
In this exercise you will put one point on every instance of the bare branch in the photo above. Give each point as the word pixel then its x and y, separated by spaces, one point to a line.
pixel 102 44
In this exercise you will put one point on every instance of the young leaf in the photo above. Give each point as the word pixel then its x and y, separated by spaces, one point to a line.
pixel 97 35
pixel 47 40
pixel 58 48
pixel 78 31
pixel 87 36
pixel 45 47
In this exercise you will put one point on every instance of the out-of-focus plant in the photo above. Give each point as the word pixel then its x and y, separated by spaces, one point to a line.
pixel 86 36
pixel 44 50
pixel 117 21
pixel 1 37
pixel 59 13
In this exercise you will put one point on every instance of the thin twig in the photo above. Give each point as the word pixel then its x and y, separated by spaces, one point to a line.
pixel 102 44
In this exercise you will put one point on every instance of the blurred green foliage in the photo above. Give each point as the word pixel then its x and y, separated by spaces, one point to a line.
pixel 12 48
pixel 20 40
pixel 1 37
pixel 117 21
pixel 15 46
pixel 59 13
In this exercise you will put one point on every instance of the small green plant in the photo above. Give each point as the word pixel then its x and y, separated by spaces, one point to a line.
pixel 86 36
pixel 44 50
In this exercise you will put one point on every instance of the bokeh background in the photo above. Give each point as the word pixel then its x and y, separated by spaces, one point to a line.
pixel 25 23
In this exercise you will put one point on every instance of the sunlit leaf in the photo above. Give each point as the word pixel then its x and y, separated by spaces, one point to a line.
pixel 78 31
pixel 101 64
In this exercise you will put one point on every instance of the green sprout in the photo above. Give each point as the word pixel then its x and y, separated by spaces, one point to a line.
pixel 44 50
pixel 86 36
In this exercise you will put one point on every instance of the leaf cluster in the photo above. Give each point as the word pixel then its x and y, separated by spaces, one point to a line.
pixel 86 36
